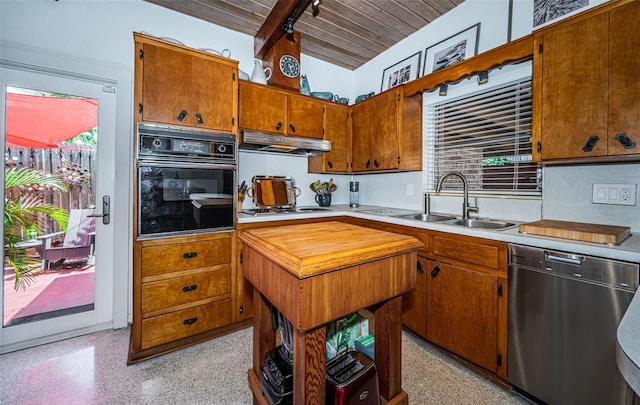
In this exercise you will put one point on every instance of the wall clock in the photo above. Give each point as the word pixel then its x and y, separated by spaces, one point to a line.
pixel 284 60
pixel 289 66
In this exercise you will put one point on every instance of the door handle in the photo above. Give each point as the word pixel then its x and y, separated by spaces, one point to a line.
pixel 106 209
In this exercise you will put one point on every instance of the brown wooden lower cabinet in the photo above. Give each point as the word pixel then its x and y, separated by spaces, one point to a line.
pixel 462 312
pixel 179 324
pixel 460 299
pixel 184 292
pixel 414 303
pixel 176 291
pixel 459 302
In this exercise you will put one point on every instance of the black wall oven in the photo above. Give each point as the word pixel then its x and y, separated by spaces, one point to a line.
pixel 186 180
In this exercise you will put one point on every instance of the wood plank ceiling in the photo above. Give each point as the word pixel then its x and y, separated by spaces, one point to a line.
pixel 346 33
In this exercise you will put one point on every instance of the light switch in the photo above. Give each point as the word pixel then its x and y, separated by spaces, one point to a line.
pixel 614 194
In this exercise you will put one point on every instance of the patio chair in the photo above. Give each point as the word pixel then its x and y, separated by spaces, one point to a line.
pixel 78 240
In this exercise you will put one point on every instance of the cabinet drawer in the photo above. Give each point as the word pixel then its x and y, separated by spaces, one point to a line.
pixel 176 325
pixel 422 236
pixel 182 290
pixel 466 251
pixel 166 259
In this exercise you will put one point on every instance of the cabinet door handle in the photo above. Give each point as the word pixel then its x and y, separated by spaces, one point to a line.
pixel 435 271
pixel 190 321
pixel 419 267
pixel 329 164
pixel 368 164
pixel 189 288
pixel 181 116
pixel 190 255
pixel 279 126
pixel 293 129
pixel 591 142
pixel 625 141
pixel 375 163
pixel 199 118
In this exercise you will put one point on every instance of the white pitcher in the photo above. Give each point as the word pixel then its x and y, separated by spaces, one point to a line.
pixel 260 75
pixel 225 52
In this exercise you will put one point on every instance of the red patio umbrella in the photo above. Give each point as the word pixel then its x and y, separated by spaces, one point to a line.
pixel 44 122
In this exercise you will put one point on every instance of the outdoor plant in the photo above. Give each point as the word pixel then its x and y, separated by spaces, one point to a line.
pixel 24 207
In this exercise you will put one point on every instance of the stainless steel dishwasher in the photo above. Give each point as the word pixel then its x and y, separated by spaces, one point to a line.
pixel 564 310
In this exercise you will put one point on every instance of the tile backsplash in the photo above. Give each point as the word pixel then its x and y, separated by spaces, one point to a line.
pixel 566 191
pixel 567 194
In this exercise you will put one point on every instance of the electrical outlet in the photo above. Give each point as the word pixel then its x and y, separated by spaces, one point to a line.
pixel 409 189
pixel 615 194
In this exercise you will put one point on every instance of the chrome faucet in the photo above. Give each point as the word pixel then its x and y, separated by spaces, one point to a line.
pixel 465 203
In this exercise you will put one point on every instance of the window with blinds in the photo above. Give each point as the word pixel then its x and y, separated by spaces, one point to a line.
pixel 487 137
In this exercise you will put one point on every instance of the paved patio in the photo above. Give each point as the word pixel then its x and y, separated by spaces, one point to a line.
pixel 53 292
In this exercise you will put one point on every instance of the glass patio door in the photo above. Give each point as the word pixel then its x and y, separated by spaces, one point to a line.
pixel 58 135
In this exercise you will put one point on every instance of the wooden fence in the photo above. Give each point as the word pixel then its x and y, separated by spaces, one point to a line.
pixel 75 164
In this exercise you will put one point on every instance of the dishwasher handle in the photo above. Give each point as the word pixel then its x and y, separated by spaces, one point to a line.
pixel 576 260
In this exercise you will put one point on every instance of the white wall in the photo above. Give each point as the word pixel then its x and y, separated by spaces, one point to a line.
pixel 566 189
pixel 252 164
pixel 491 14
pixel 567 194
pixel 391 189
pixel 93 36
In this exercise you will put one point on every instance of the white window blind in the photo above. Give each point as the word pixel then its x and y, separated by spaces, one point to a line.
pixel 487 137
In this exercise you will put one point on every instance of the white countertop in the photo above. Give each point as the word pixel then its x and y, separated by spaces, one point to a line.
pixel 628 350
pixel 629 250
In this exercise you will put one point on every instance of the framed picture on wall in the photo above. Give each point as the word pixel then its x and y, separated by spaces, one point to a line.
pixel 547 10
pixel 403 71
pixel 452 50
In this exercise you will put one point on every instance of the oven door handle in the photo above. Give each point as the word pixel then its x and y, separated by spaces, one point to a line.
pixel 106 211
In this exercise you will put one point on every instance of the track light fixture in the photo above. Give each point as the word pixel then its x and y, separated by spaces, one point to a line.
pixel 315 7
pixel 483 77
pixel 287 26
pixel 443 89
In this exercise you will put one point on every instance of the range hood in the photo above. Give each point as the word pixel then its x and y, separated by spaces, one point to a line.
pixel 264 142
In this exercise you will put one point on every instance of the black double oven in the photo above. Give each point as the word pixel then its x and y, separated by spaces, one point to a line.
pixel 186 181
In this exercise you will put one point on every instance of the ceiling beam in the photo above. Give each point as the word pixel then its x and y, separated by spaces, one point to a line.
pixel 270 31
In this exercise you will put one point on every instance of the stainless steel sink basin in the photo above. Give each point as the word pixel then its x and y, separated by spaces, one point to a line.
pixel 427 218
pixel 311 209
pixel 480 223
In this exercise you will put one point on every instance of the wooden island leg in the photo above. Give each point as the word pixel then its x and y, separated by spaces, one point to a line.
pixel 388 348
pixel 309 366
pixel 264 339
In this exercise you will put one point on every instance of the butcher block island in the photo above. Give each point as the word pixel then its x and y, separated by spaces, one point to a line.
pixel 318 272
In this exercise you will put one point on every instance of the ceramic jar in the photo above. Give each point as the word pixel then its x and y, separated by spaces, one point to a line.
pixel 260 74
pixel 323 200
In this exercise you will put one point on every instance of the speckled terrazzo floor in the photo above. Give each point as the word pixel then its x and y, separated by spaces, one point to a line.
pixel 92 369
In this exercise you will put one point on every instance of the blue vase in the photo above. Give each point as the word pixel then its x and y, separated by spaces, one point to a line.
pixel 304 85
pixel 364 96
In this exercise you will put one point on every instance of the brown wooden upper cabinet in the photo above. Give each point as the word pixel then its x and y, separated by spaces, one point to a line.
pixel 586 92
pixel 182 86
pixel 387 132
pixel 264 108
pixel 337 130
pixel 375 132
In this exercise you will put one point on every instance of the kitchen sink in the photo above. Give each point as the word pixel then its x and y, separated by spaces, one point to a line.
pixel 480 223
pixel 427 217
